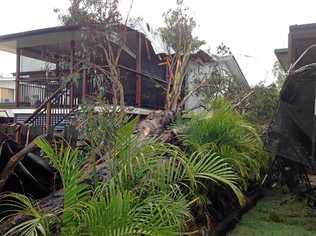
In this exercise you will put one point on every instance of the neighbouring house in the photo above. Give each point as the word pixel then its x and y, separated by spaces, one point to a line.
pixel 300 37
pixel 7 90
pixel 202 66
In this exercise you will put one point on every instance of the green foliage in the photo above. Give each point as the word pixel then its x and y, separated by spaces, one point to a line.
pixel 178 30
pixel 279 74
pixel 177 35
pixel 100 128
pixel 150 190
pixel 90 12
pixel 262 104
pixel 125 214
pixel 67 162
pixel 223 50
pixel 144 165
pixel 223 131
pixel 118 208
pixel 37 223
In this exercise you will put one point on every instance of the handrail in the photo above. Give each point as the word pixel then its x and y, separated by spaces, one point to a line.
pixel 47 100
pixel 53 110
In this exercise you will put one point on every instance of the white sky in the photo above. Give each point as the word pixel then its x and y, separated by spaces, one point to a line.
pixel 251 28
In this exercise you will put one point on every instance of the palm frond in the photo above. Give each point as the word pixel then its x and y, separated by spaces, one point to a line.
pixel 37 222
pixel 66 161
pixel 224 131
pixel 180 170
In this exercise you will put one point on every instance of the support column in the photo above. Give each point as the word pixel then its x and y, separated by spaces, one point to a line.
pixel 48 125
pixel 139 70
pixel 84 84
pixel 72 58
pixel 17 77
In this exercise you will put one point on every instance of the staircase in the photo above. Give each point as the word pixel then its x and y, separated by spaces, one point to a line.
pixel 54 110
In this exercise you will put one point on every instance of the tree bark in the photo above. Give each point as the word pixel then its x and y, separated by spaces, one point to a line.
pixel 155 124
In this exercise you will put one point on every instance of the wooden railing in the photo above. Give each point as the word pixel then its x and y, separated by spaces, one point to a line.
pixel 57 102
pixel 53 110
pixel 32 94
pixel 34 91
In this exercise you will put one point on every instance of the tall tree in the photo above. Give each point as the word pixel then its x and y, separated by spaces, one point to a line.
pixel 103 40
pixel 177 34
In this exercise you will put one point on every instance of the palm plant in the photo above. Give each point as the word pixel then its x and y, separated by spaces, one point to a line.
pixel 151 191
pixel 76 192
pixel 37 221
pixel 225 132
pixel 126 214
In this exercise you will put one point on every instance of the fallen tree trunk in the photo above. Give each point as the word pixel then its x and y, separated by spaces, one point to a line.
pixel 155 125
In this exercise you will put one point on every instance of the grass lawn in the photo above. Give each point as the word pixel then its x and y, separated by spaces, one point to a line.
pixel 278 214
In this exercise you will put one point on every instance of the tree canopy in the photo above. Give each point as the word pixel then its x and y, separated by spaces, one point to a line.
pixel 178 29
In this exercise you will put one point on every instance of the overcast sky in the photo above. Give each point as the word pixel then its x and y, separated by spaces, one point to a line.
pixel 251 28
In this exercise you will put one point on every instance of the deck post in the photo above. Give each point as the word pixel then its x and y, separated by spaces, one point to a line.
pixel 72 62
pixel 17 77
pixel 49 118
pixel 84 84
pixel 139 70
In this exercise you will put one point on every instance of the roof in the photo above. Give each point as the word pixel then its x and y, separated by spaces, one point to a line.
pixel 300 38
pixel 38 32
pixel 232 65
pixel 203 56
pixel 2 78
pixel 302 27
pixel 60 34
pixel 229 61
pixel 7 82
pixel 282 56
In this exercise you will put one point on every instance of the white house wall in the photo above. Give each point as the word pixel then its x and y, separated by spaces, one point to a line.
pixel 197 71
pixel 7 83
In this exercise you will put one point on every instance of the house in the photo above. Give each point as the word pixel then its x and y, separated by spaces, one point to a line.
pixel 292 133
pixel 40 54
pixel 7 90
pixel 45 57
pixel 300 37
pixel 202 66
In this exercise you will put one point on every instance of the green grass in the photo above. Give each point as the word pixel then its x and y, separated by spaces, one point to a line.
pixel 278 215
